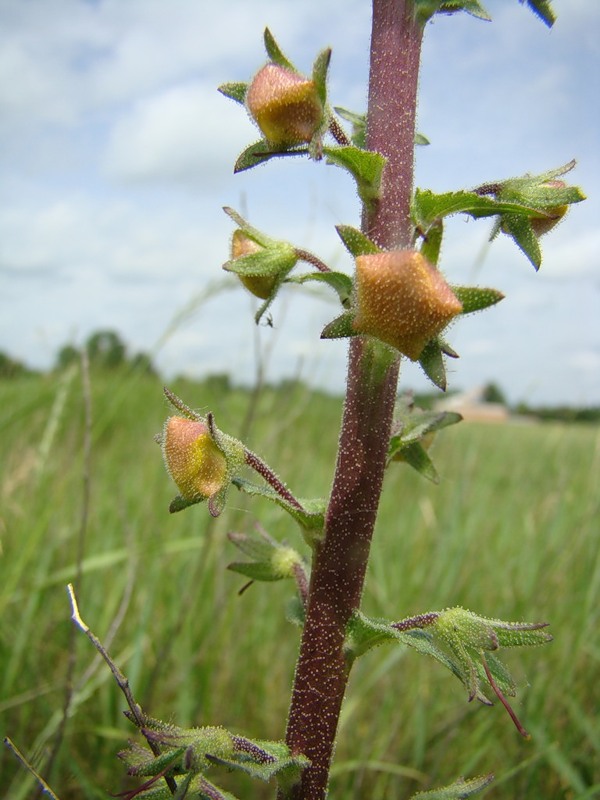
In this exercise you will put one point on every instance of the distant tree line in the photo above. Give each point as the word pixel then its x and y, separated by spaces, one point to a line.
pixel 107 351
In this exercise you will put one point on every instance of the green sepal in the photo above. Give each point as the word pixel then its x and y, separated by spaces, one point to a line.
pixel 536 191
pixel 319 74
pixel 417 457
pixel 339 282
pixel 416 423
pixel 340 328
pixel 193 751
pixel 253 233
pixel 425 9
pixel 256 571
pixel 475 298
pixel 310 518
pixel 521 231
pixel 271 561
pixel 276 260
pixel 469 636
pixel 275 53
pixel 365 166
pixel 432 242
pixel 179 503
pixel 259 153
pixel 277 761
pixel 421 140
pixel 542 9
pixel 235 91
pixel 356 242
pixel 461 788
pixel 428 207
pixel 363 633
pixel 406 443
pixel 432 364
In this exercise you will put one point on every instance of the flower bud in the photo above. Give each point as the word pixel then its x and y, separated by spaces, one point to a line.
pixel 402 300
pixel 193 459
pixel 285 106
pixel 543 223
pixel 259 285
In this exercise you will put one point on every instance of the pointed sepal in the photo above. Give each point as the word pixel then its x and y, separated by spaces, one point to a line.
pixel 356 242
pixel 459 790
pixel 476 298
pixel 235 91
pixel 270 560
pixel 413 434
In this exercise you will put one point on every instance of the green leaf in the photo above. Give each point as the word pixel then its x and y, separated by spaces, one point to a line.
pixel 275 53
pixel 428 207
pixel 421 140
pixel 543 10
pixel 235 91
pixel 256 570
pixel 365 166
pixel 520 229
pixel 339 282
pixel 340 328
pixel 255 547
pixel 461 788
pixel 432 364
pixel 475 298
pixel 274 760
pixel 356 242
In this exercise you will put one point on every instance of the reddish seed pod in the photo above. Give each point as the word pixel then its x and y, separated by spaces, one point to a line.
pixel 402 300
pixel 284 105
pixel 193 459
pixel 260 286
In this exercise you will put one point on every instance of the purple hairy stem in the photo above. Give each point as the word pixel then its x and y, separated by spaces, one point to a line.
pixel 341 557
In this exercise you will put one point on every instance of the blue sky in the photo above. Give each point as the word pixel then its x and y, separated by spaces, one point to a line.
pixel 116 157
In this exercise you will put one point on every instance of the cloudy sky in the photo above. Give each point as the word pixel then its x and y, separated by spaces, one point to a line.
pixel 116 156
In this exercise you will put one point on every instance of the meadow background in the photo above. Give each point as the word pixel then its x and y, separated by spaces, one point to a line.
pixel 511 531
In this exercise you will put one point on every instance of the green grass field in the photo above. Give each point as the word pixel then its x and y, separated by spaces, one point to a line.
pixel 512 531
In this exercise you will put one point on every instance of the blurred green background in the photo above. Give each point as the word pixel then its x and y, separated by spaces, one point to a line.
pixel 512 531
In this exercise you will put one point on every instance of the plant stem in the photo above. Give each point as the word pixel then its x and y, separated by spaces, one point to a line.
pixel 341 558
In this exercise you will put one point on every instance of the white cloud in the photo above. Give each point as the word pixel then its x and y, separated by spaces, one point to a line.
pixel 185 134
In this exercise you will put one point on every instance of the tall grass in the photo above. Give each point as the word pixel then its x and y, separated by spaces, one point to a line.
pixel 512 531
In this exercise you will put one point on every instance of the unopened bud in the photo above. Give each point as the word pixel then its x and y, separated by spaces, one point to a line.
pixel 402 300
pixel 285 106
